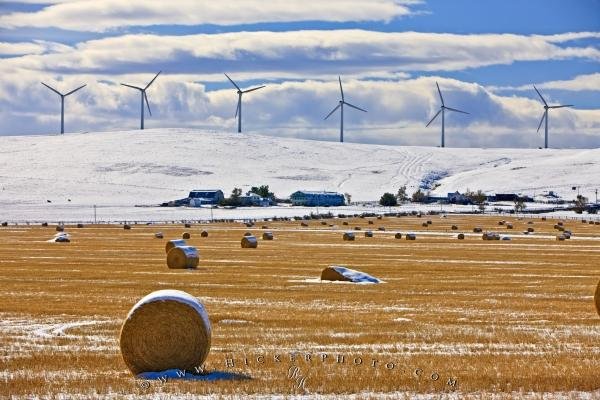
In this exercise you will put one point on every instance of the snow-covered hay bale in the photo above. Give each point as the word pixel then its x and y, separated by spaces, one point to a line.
pixel 61 237
pixel 560 237
pixel 174 243
pixel 461 236
pixel 204 234
pixel 369 234
pixel 339 273
pixel 411 236
pixel 127 227
pixel 349 236
pixel 597 298
pixel 159 235
pixel 398 235
pixel 182 257
pixel 167 329
pixel 477 229
pixel 186 235
pixel 267 236
pixel 249 242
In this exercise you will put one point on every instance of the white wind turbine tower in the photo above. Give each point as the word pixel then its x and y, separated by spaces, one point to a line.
pixel 442 110
pixel 62 104
pixel 144 97
pixel 240 92
pixel 340 105
pixel 545 116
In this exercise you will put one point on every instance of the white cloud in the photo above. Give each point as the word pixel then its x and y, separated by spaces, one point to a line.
pixel 589 82
pixel 99 16
pixel 34 47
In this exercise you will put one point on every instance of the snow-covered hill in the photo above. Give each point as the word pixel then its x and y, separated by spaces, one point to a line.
pixel 151 166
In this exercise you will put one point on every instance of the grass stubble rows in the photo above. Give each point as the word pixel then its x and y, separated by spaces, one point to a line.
pixel 453 317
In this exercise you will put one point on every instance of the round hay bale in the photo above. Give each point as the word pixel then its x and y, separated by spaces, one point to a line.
pixel 264 227
pixel 249 224
pixel 174 243
pixel 249 242
pixel 560 237
pixel 583 221
pixel 398 235
pixel 159 235
pixel 370 222
pixel 186 235
pixel 560 223
pixel 357 228
pixel 127 227
pixel 477 229
pixel 80 225
pixel 345 223
pixel 591 222
pixel 429 222
pixel 183 257
pixel 543 218
pixel 303 224
pixel 5 223
pixel 597 298
pixel 187 225
pixel 368 234
pixel 344 274
pixel 59 228
pixel 204 234
pixel 461 236
pixel 248 234
pixel 529 222
pixel 411 236
pixel 454 227
pixel 381 228
pixel 501 223
pixel 424 225
pixel 44 224
pixel 267 236
pixel 597 222
pixel 509 226
pixel 530 230
pixel 379 217
pixel 167 329
pixel 349 236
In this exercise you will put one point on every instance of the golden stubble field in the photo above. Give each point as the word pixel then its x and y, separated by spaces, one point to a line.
pixel 453 318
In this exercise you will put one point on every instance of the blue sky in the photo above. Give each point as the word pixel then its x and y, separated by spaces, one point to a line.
pixel 485 54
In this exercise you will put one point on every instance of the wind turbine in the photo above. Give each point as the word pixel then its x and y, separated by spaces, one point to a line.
pixel 340 105
pixel 144 97
pixel 545 116
pixel 62 104
pixel 240 92
pixel 442 110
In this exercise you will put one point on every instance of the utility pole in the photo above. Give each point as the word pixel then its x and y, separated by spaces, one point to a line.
pixel 95 220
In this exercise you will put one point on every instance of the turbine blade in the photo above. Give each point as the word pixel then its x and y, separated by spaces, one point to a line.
pixel 147 103
pixel 231 80
pixel 455 110
pixel 434 117
pixel 131 86
pixel 541 97
pixel 251 90
pixel 51 88
pixel 155 76
pixel 567 105
pixel 332 111
pixel 358 108
pixel 73 91
pixel 237 109
pixel 440 93
pixel 540 125
pixel 341 89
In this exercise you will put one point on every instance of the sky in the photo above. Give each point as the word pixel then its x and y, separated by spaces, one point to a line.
pixel 485 55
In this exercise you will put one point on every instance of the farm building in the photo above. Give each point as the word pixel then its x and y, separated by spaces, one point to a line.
pixel 312 199
pixel 200 197
pixel 252 199
pixel 458 198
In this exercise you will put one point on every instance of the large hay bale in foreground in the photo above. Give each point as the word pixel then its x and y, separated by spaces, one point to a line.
pixel 597 298
pixel 349 236
pixel 167 329
pixel 174 243
pixel 204 234
pixel 186 235
pixel 249 242
pixel 182 257
pixel 339 273
pixel 267 236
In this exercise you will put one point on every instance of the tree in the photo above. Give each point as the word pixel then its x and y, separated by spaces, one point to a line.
pixel 234 199
pixel 401 195
pixel 236 193
pixel 519 205
pixel 478 198
pixel 348 198
pixel 418 196
pixel 263 191
pixel 580 204
pixel 388 200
